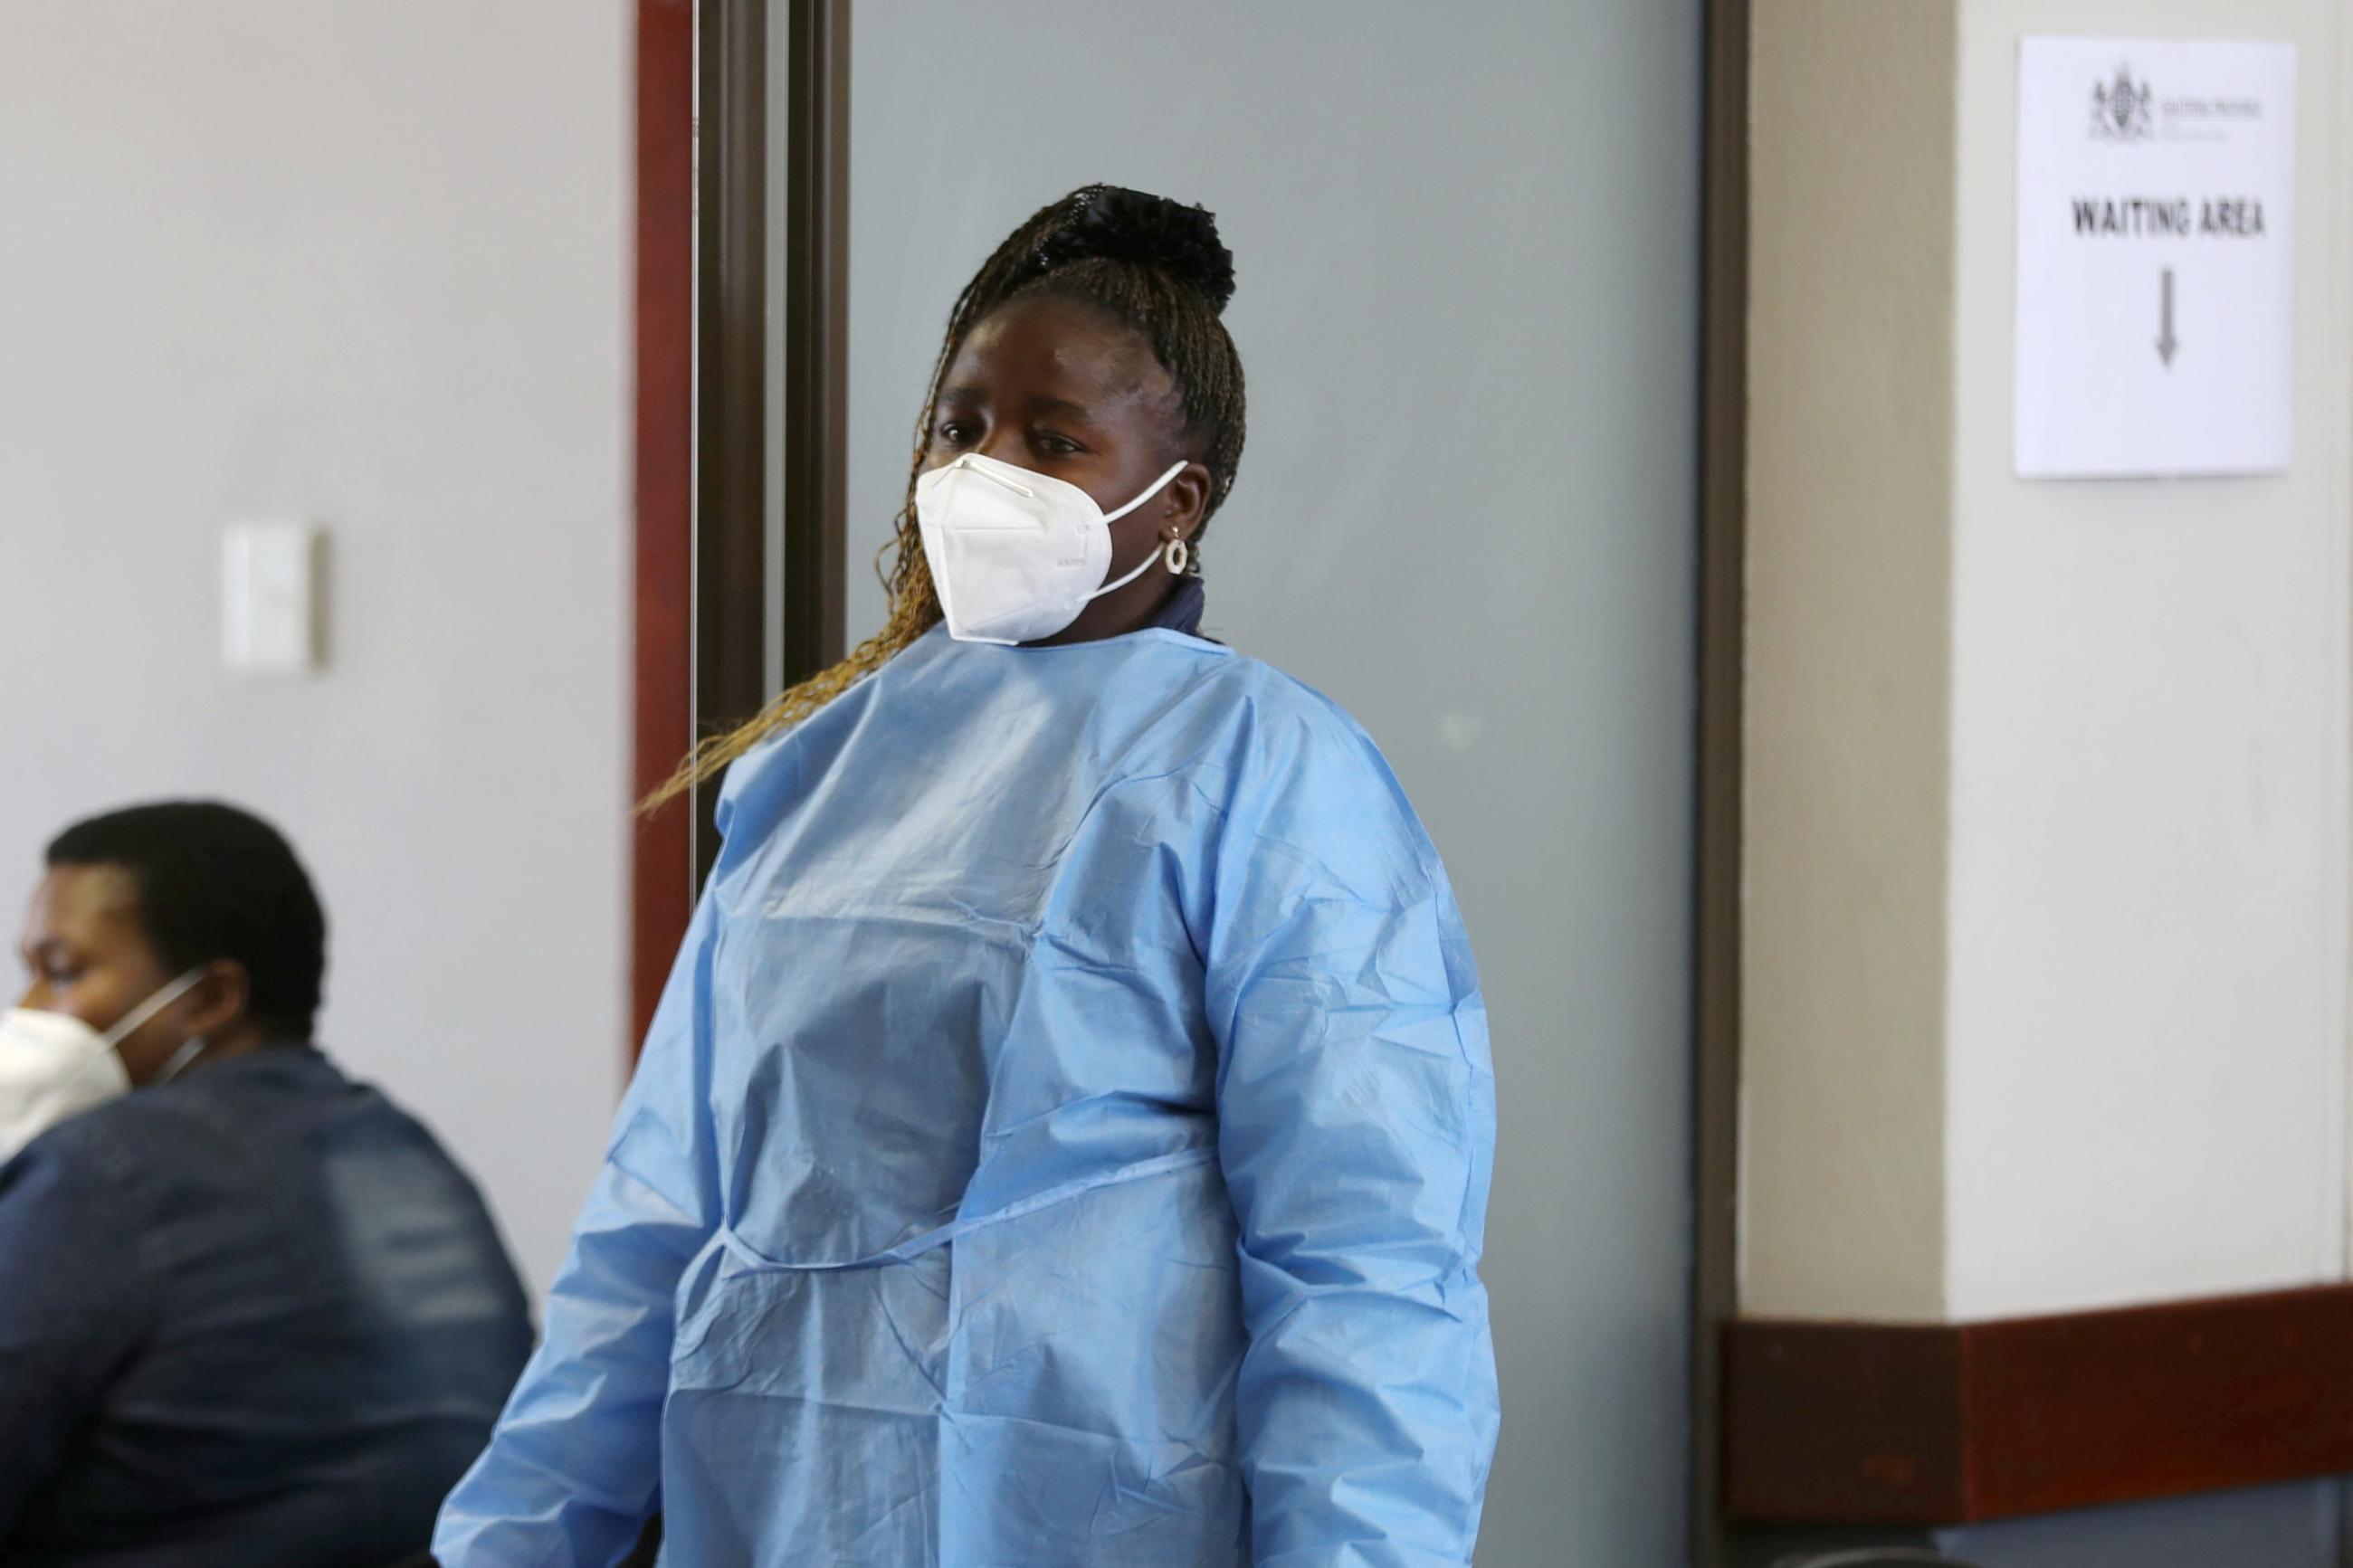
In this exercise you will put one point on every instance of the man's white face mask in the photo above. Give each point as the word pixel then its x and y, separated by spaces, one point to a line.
pixel 53 1065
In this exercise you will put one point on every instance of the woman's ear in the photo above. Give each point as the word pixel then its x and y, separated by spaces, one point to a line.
pixel 1186 506
pixel 218 1001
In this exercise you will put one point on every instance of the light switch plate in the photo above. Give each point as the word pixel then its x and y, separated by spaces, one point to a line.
pixel 270 591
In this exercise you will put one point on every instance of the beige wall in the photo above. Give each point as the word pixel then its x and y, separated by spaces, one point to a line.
pixel 2146 1046
pixel 2049 873
pixel 1842 1126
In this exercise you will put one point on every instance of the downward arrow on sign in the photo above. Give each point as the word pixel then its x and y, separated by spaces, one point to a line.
pixel 2166 341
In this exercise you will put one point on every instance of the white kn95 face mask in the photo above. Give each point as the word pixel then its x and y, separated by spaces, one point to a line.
pixel 53 1066
pixel 1015 555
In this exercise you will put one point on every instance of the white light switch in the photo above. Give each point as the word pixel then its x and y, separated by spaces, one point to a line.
pixel 268 594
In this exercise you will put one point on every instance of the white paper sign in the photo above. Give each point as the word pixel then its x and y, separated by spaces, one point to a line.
pixel 2155 256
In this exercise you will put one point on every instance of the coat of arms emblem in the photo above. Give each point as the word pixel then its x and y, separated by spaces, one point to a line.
pixel 2123 110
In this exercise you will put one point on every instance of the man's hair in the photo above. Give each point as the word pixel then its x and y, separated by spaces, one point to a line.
pixel 214 883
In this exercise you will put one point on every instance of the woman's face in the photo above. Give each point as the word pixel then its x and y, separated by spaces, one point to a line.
pixel 1056 386
pixel 87 954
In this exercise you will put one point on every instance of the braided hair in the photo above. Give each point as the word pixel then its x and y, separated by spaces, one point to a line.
pixel 1152 265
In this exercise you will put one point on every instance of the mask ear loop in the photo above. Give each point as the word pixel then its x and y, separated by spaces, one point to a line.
pixel 1152 560
pixel 133 1021
pixel 1150 491
pixel 1146 564
pixel 178 1061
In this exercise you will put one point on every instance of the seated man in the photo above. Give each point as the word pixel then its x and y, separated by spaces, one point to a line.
pixel 251 1313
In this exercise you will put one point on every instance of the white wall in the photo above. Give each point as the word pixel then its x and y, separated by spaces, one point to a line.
pixel 365 263
pixel 2131 922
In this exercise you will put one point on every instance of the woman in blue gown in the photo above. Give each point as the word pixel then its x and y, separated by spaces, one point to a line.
pixel 1065 1136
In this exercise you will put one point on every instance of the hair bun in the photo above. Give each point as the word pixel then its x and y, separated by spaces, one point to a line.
pixel 1119 225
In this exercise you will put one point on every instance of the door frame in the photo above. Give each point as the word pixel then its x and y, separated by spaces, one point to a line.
pixel 708 99
pixel 701 538
pixel 662 725
pixel 1719 721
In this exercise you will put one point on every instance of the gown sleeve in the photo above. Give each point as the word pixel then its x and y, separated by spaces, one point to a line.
pixel 1355 1106
pixel 573 1471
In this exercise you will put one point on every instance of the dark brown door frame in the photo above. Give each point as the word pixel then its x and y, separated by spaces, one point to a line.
pixel 707 110
pixel 732 334
pixel 1722 575
pixel 816 238
pixel 661 848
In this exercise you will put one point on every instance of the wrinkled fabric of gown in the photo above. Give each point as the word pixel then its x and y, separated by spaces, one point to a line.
pixel 1065 1140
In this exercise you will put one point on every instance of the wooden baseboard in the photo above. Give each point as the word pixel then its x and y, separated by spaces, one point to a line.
pixel 1882 1424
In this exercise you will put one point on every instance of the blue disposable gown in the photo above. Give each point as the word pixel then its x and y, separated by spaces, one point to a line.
pixel 1065 1140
